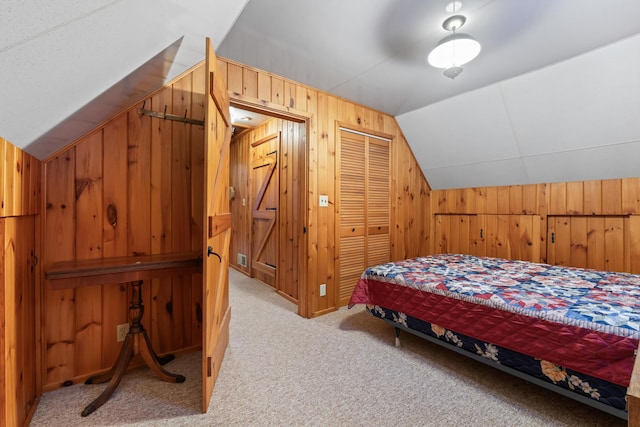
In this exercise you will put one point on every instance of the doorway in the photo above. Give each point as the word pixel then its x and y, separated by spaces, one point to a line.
pixel 268 199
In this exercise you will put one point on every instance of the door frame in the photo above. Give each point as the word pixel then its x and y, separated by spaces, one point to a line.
pixel 290 114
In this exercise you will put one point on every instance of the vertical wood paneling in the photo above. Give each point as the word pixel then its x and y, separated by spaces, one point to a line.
pixel 592 197
pixel 18 387
pixel 480 195
pixel 4 386
pixel 59 227
pixel 515 199
pixel 19 181
pixel 612 197
pixel 314 267
pixel 596 256
pixel 161 231
pixel 558 198
pixel 575 198
pixel 133 186
pixel 410 231
pixel 249 83
pixel 197 202
pixel 579 242
pixel 492 200
pixel 89 226
pixel 529 200
pixel 11 177
pixel 139 196
pixel 181 212
pixel 277 91
pixel 631 196
pixel 4 205
pixel 264 87
pixel 234 79
pixel 115 205
pixel 503 205
pixel 614 232
pixel 634 243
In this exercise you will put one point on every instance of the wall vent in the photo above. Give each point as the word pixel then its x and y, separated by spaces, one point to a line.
pixel 242 260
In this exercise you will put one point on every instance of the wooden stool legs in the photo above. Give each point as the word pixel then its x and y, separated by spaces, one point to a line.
pixel 136 342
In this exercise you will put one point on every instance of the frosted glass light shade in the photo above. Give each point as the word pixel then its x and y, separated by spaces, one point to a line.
pixel 456 49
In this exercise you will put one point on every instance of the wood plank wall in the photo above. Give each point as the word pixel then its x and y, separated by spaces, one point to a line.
pixel 615 200
pixel 410 231
pixel 291 164
pixel 19 181
pixel 19 384
pixel 20 195
pixel 132 186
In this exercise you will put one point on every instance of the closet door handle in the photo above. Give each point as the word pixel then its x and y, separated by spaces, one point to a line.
pixel 211 252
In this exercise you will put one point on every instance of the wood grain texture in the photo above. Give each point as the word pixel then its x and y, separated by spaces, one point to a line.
pixel 18 367
pixel 132 186
pixel 409 198
pixel 250 151
pixel 19 181
pixel 584 224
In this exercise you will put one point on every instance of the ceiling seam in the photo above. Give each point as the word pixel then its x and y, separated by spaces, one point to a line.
pixel 513 130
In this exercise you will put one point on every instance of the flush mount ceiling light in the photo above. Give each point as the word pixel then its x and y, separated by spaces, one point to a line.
pixel 454 50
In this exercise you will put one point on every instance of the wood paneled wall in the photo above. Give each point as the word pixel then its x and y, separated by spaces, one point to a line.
pixel 410 228
pixel 240 160
pixel 19 181
pixel 245 149
pixel 612 207
pixel 132 186
pixel 20 384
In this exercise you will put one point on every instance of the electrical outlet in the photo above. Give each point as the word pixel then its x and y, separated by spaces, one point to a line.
pixel 324 201
pixel 122 331
pixel 323 289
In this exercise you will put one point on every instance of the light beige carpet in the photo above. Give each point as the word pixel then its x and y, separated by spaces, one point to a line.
pixel 341 369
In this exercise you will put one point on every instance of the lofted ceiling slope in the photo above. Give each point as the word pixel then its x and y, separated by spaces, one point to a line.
pixel 553 96
pixel 69 65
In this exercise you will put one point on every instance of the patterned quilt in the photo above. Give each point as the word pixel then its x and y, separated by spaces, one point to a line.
pixel 583 319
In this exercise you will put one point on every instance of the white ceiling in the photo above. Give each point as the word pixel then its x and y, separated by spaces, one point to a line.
pixel 553 96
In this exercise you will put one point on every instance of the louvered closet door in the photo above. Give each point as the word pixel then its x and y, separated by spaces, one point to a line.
pixel 378 211
pixel 363 208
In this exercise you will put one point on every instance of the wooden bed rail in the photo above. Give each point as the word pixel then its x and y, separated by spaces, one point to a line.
pixel 633 395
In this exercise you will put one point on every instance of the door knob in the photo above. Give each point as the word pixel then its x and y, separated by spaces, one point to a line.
pixel 211 252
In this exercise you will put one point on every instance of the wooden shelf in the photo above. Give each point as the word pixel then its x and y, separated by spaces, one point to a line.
pixel 74 274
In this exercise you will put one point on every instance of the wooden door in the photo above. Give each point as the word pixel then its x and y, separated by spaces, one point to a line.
pixel 217 226
pixel 264 209
pixel 588 241
pixel 363 195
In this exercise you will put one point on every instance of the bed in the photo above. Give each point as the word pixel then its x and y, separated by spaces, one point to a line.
pixel 571 330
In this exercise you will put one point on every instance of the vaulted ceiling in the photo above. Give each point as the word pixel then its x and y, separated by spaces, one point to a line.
pixel 553 96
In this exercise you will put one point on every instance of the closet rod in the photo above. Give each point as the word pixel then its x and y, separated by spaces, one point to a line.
pixel 183 119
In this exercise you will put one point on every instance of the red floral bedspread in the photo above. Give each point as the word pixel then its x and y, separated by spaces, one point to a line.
pixel 582 319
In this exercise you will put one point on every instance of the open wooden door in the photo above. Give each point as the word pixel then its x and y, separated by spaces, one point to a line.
pixel 216 312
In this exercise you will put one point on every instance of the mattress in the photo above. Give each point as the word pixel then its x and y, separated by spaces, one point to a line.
pixel 582 320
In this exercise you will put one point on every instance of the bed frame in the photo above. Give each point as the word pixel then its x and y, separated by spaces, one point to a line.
pixel 549 386
pixel 618 401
